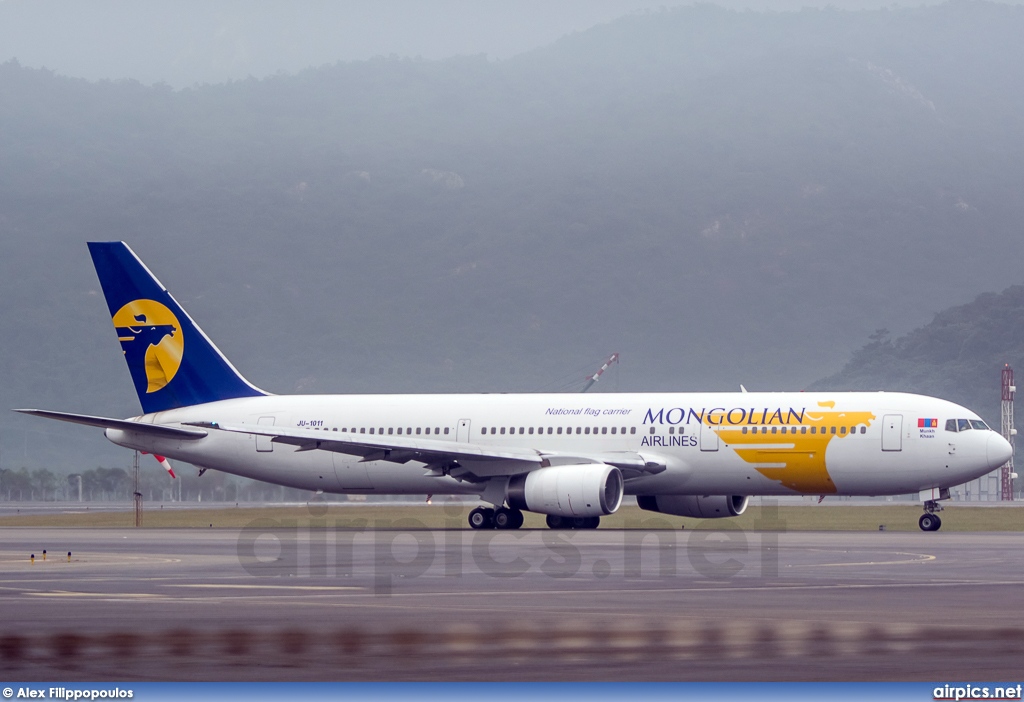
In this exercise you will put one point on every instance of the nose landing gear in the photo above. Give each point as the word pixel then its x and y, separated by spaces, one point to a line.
pixel 930 521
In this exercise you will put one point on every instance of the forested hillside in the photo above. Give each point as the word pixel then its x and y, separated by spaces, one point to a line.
pixel 720 196
pixel 958 356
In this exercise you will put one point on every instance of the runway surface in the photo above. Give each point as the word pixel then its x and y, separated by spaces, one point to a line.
pixel 768 602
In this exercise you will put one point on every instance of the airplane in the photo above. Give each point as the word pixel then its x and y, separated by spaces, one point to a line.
pixel 570 457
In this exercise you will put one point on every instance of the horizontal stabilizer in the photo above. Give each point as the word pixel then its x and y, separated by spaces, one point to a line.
pixel 122 424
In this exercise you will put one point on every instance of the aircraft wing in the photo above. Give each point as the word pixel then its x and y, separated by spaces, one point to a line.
pixel 458 459
pixel 158 430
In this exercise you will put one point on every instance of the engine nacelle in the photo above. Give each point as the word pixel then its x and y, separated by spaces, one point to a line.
pixel 580 490
pixel 699 506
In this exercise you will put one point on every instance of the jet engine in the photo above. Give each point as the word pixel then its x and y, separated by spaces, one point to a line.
pixel 578 490
pixel 700 506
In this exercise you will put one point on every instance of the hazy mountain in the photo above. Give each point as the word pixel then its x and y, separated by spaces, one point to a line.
pixel 191 42
pixel 720 196
pixel 958 356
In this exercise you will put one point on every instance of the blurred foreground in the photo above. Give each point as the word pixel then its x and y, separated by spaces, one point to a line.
pixel 609 650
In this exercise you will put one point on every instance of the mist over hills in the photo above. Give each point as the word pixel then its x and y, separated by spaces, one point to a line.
pixel 720 196
pixel 217 40
pixel 957 356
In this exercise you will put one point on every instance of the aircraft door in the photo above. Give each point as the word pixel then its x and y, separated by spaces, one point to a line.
pixel 462 433
pixel 708 438
pixel 351 474
pixel 892 432
pixel 264 443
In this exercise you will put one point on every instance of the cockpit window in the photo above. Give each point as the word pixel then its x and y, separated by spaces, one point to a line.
pixel 978 424
pixel 950 425
pixel 963 424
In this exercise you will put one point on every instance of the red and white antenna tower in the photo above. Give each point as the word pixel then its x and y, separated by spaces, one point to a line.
pixel 1006 473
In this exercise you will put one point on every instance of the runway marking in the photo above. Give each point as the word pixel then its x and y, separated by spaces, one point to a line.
pixel 723 590
pixel 916 558
pixel 106 595
pixel 269 587
pixel 88 559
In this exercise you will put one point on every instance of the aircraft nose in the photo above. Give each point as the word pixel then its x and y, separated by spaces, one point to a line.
pixel 998 451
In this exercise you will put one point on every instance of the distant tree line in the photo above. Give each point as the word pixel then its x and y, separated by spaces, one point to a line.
pixel 117 484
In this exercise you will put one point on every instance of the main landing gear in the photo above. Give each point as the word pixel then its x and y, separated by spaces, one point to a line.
pixel 500 518
pixel 930 521
pixel 556 522
pixel 505 518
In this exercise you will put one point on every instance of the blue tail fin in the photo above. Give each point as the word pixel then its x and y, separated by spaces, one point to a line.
pixel 172 362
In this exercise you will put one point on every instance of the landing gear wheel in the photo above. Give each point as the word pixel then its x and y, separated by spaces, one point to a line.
pixel 929 522
pixel 556 522
pixel 593 522
pixel 505 518
pixel 481 518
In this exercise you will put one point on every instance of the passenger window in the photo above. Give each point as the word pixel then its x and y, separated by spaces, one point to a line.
pixel 522 430
pixel 408 430
pixel 579 429
pixel 671 430
pixel 446 430
pixel 652 430
pixel 775 430
pixel 531 430
pixel 587 431
pixel 399 430
pixel 744 430
pixel 613 429
pixel 604 430
pixel 863 430
pixel 833 430
pixel 559 430
pixel 494 430
pixel 362 431
pixel 963 424
pixel 842 431
pixel 551 429
pixel 803 430
pixel 950 425
pixel 484 430
pixel 503 430
pixel 632 430
pixel 371 430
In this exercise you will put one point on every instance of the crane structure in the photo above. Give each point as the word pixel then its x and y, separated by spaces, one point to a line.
pixel 614 358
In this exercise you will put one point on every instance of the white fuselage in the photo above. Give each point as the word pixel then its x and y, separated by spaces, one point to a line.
pixel 708 443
